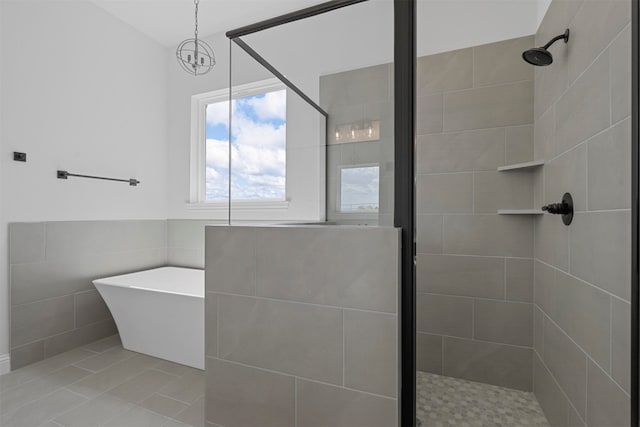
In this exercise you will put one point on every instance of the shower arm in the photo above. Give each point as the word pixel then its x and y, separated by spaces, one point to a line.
pixel 564 36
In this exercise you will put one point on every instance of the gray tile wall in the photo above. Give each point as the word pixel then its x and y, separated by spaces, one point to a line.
pixel 54 305
pixel 301 326
pixel 351 97
pixel 185 242
pixel 582 273
pixel 475 268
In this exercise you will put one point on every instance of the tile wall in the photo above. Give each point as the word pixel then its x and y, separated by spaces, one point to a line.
pixel 475 267
pixel 54 305
pixel 301 326
pixel 358 96
pixel 582 272
pixel 185 242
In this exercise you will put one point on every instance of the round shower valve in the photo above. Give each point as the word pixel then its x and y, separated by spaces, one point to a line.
pixel 564 208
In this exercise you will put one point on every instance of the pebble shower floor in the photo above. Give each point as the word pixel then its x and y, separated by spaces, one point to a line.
pixel 451 402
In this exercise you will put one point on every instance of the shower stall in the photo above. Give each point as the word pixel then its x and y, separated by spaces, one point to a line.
pixel 422 277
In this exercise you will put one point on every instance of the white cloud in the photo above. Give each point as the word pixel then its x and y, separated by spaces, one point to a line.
pixel 258 150
pixel 217 153
pixel 218 113
pixel 273 105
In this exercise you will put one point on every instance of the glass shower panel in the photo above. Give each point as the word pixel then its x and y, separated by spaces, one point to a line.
pixel 344 65
pixel 277 146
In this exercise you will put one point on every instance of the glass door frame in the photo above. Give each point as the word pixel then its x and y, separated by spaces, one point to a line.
pixel 635 215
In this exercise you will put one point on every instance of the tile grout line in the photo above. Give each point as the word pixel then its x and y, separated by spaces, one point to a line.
pixel 590 64
pixel 159 393
pixel 581 280
pixel 64 332
pixel 478 130
pixel 295 376
pixel 49 372
pixel 17 408
pixel 475 340
pixel 288 301
pixel 479 256
pixel 611 335
pixel 562 390
pixel 584 352
pixel 489 86
pixel 295 401
pixel 472 297
pixel 586 389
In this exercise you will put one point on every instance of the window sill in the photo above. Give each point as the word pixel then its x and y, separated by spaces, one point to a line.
pixel 242 205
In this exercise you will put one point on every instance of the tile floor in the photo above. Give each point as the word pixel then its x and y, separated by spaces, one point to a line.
pixel 102 384
pixel 451 402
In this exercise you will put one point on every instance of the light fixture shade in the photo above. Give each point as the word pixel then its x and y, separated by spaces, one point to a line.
pixel 195 56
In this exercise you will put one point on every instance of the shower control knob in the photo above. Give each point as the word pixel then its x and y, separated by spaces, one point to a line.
pixel 557 208
pixel 564 208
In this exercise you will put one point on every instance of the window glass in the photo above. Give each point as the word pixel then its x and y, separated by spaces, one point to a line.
pixel 360 189
pixel 258 148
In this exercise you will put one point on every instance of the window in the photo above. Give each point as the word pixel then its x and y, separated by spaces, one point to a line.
pixel 359 188
pixel 258 144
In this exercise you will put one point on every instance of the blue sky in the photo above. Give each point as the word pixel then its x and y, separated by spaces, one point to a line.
pixel 258 148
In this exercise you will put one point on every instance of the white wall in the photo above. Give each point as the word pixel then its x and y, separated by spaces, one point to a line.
pixel 445 25
pixel 83 92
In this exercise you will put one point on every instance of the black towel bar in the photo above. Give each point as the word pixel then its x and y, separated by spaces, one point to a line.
pixel 65 175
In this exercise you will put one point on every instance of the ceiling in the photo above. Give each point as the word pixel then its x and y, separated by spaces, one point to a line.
pixel 171 21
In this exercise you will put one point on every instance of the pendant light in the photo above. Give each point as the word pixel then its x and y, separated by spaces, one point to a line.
pixel 195 56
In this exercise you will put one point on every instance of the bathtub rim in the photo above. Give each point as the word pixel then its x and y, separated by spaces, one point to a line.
pixel 104 281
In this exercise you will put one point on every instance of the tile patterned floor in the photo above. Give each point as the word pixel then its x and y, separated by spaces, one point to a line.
pixel 102 384
pixel 448 402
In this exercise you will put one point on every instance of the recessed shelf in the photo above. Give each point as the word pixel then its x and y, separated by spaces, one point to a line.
pixel 526 165
pixel 520 212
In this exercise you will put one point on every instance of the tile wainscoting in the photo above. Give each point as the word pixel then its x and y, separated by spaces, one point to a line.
pixel 54 305
pixel 298 319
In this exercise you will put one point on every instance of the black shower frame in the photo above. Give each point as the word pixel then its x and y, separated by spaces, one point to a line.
pixel 635 215
pixel 404 181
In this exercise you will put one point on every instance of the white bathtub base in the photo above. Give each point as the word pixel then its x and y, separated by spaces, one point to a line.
pixel 158 322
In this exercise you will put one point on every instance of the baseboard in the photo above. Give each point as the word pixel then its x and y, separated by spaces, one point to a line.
pixel 5 364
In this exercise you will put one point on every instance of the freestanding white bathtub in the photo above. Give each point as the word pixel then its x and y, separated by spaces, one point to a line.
pixel 159 312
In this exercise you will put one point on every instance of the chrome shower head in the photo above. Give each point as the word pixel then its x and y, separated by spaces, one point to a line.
pixel 540 56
